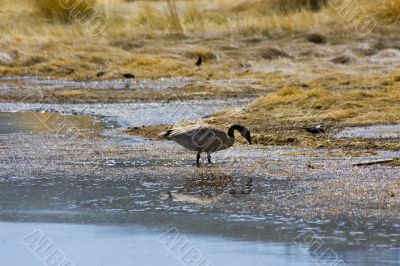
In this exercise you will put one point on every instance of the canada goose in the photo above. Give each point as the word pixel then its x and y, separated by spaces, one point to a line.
pixel 205 139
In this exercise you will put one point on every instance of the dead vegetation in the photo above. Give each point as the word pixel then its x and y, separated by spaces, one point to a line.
pixel 63 11
pixel 147 37
pixel 344 59
pixel 279 6
pixel 281 118
pixel 270 53
pixel 395 162
pixel 388 11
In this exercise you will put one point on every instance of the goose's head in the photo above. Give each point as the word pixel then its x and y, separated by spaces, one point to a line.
pixel 246 134
pixel 242 130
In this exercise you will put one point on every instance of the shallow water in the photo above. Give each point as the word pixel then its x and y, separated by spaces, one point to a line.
pixel 134 114
pixel 137 245
pixel 372 132
pixel 45 123
pixel 119 184
pixel 32 83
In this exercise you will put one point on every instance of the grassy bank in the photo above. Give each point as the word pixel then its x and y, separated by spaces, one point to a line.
pixel 281 118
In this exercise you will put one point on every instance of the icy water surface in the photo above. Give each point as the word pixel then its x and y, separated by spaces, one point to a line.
pixel 378 132
pixel 125 191
pixel 134 114
pixel 36 83
pixel 129 245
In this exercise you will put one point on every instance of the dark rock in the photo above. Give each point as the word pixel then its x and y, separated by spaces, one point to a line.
pixel 199 61
pixel 232 191
pixel 343 59
pixel 316 38
pixel 303 85
pixel 128 76
pixel 100 74
pixel 247 188
pixel 315 130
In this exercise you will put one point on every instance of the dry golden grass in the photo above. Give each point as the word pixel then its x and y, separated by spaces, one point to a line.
pixel 173 18
pixel 148 17
pixel 151 18
pixel 281 118
pixel 355 107
pixel 394 163
pixel 279 6
pixel 386 11
pixel 64 11
pixel 42 47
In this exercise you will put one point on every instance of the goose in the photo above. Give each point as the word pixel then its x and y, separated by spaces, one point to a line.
pixel 205 139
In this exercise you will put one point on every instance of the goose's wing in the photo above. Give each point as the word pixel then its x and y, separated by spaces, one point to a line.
pixel 176 132
pixel 194 131
pixel 198 138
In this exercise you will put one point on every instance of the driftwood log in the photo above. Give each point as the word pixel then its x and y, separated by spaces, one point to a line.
pixel 372 162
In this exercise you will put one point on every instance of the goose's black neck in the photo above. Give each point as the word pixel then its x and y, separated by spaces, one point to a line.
pixel 233 128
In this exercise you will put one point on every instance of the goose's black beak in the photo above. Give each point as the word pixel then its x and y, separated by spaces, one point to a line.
pixel 248 137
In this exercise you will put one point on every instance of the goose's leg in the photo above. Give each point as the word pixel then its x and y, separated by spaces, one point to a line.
pixel 198 159
pixel 209 157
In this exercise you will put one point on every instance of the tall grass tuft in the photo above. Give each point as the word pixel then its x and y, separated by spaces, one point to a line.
pixel 284 6
pixel 194 18
pixel 150 18
pixel 173 17
pixel 64 11
pixel 387 10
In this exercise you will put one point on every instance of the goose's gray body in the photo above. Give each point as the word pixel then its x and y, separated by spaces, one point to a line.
pixel 201 139
pixel 205 139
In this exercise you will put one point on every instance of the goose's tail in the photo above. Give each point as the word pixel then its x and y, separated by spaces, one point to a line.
pixel 165 134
